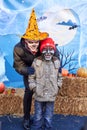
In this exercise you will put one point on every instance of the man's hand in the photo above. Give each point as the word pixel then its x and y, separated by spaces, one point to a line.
pixel 31 70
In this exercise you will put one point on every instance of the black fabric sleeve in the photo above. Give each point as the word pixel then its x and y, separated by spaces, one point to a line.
pixel 18 64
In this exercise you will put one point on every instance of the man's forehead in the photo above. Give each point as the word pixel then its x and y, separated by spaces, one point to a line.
pixel 32 41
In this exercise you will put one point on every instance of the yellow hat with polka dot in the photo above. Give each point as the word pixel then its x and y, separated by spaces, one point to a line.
pixel 32 31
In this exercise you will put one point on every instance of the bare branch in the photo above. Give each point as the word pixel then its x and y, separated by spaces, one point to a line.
pixel 67 59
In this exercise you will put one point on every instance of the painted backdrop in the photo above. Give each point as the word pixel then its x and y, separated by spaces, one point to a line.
pixel 65 21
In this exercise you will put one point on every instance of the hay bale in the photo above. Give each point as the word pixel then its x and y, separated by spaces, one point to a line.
pixel 10 104
pixel 73 106
pixel 74 87
pixel 71 99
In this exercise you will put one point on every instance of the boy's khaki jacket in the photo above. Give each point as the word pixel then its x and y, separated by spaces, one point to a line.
pixel 46 80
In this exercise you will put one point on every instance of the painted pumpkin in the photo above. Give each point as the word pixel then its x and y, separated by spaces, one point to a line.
pixel 82 72
pixel 2 87
pixel 64 72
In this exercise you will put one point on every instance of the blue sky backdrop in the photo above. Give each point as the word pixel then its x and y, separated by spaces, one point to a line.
pixel 64 20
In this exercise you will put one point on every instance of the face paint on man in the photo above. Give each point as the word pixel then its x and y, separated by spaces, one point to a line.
pixel 32 45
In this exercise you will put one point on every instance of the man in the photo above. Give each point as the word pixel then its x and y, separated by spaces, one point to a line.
pixel 24 53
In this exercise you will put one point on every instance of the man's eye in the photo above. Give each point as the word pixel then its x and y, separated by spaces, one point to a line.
pixel 36 43
pixel 30 43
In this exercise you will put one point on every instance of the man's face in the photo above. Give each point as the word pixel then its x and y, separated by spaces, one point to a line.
pixel 32 45
pixel 48 53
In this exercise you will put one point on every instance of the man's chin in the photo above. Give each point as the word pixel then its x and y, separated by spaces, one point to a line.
pixel 33 50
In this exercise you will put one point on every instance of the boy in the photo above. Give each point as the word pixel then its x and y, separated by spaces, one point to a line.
pixel 45 82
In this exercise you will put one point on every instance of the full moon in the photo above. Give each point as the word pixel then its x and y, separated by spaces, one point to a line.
pixel 58 26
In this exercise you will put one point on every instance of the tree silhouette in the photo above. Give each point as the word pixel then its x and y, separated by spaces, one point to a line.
pixel 67 60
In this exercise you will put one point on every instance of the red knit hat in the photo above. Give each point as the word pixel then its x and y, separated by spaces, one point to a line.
pixel 48 42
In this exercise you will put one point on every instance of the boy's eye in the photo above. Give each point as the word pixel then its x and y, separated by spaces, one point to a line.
pixel 44 51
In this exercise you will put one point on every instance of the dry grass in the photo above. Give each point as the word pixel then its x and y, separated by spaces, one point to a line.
pixel 71 99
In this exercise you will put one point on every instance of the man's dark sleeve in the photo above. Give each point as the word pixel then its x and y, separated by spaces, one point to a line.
pixel 57 54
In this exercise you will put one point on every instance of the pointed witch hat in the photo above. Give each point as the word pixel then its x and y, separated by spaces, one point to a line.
pixel 32 31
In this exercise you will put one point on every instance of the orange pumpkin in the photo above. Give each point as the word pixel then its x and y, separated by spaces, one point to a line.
pixel 70 75
pixel 82 72
pixel 13 90
pixel 2 87
pixel 64 72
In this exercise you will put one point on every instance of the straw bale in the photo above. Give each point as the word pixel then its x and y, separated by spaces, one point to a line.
pixel 10 104
pixel 73 106
pixel 71 99
pixel 74 87
pixel 63 105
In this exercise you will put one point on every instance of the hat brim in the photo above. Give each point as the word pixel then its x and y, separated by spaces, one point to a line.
pixel 41 36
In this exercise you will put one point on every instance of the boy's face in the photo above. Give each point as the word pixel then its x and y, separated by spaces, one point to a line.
pixel 48 53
